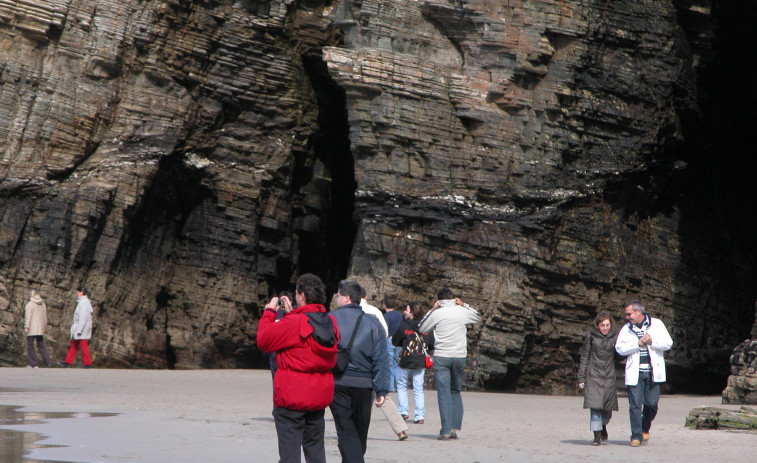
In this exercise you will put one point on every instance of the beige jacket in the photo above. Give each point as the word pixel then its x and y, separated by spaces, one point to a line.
pixel 35 317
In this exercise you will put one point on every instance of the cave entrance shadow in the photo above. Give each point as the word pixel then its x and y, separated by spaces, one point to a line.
pixel 16 444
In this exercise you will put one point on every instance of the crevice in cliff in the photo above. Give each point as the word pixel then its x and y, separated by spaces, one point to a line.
pixel 325 176
pixel 174 192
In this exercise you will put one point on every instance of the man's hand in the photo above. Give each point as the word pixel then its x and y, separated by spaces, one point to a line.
pixel 580 385
pixel 287 304
pixel 646 339
pixel 273 304
pixel 380 401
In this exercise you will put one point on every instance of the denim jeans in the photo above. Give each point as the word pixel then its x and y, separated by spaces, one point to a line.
pixel 642 404
pixel 448 373
pixel 418 376
pixel 599 418
pixel 393 363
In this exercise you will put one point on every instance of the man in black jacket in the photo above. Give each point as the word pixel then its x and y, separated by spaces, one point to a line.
pixel 353 390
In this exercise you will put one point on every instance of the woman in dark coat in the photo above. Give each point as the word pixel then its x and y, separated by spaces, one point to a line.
pixel 412 360
pixel 596 375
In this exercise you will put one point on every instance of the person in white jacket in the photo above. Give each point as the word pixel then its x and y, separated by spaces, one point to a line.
pixel 448 319
pixel 81 331
pixel 643 340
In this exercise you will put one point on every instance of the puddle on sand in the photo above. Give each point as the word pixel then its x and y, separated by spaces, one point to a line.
pixel 14 445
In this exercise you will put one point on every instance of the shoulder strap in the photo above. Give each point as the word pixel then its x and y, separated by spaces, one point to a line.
pixel 354 332
pixel 422 342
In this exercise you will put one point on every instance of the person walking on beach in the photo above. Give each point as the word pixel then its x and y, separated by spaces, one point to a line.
pixel 81 330
pixel 35 320
pixel 413 346
pixel 366 372
pixel 596 375
pixel 389 408
pixel 448 319
pixel 305 342
pixel 393 319
pixel 643 340
pixel 372 310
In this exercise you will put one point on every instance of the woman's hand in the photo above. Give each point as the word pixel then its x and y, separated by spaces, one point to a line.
pixel 581 385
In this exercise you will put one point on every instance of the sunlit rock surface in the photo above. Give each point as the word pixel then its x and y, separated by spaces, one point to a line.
pixel 548 159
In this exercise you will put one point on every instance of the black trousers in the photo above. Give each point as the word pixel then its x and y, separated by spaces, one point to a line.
pixel 297 429
pixel 351 409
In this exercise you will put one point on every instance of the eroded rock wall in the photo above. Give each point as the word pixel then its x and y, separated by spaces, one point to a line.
pixel 147 152
pixel 186 159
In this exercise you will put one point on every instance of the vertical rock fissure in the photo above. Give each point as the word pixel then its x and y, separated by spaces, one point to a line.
pixel 326 249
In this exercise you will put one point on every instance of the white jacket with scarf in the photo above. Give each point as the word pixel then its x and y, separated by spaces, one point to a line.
pixel 628 345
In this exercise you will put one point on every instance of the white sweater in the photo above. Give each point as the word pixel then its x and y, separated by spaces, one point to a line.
pixel 449 324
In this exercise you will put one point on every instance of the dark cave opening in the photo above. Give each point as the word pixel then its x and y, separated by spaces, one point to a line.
pixel 718 201
pixel 326 178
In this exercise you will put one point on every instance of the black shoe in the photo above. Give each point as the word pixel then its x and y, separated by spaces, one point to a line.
pixel 85 366
pixel 603 433
pixel 597 438
pixel 65 365
pixel 444 437
pixel 418 421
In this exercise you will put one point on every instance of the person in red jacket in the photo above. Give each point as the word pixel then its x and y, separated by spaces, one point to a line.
pixel 305 342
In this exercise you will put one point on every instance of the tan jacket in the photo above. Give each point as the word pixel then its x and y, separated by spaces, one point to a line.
pixel 35 317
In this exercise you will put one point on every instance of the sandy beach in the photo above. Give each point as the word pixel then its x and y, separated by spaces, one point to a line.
pixel 225 416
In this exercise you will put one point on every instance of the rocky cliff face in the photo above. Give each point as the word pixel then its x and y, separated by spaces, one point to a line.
pixel 545 159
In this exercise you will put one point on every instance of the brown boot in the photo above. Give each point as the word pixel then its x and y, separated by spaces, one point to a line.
pixel 597 438
pixel 604 433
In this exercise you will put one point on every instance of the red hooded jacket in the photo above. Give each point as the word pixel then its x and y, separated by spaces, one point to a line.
pixel 303 380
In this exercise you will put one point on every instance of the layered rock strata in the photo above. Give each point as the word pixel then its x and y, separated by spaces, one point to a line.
pixel 185 160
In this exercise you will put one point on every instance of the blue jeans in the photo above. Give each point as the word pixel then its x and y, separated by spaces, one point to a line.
pixel 448 373
pixel 642 404
pixel 599 418
pixel 418 376
pixel 393 363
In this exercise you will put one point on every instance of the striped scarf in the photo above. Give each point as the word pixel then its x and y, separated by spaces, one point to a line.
pixel 640 329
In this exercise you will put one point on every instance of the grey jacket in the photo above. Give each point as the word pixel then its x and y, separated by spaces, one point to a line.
pixel 81 328
pixel 597 371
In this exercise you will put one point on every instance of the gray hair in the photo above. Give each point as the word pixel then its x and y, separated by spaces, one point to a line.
pixel 637 305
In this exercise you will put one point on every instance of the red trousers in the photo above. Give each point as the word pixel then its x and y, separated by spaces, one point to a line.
pixel 77 344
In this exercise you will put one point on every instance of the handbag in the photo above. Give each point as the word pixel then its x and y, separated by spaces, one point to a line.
pixel 429 359
pixel 343 355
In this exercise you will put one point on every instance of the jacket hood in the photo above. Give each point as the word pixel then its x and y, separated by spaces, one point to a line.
pixel 37 300
pixel 595 333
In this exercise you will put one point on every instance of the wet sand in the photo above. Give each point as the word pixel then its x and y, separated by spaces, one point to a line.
pixel 225 416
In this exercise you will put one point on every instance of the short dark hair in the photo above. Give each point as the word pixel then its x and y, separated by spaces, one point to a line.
pixel 313 289
pixel 445 293
pixel 82 289
pixel 388 302
pixel 416 310
pixel 602 316
pixel 352 289
pixel 636 305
